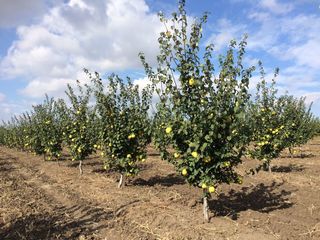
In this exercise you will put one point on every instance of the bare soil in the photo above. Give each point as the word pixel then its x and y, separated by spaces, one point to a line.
pixel 50 200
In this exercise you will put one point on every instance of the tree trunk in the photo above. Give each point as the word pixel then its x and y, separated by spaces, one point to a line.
pixel 205 206
pixel 290 151
pixel 80 167
pixel 120 184
pixel 269 167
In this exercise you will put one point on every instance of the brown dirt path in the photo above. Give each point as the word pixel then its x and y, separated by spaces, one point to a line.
pixel 47 200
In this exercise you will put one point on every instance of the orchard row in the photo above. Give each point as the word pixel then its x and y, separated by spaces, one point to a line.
pixel 205 120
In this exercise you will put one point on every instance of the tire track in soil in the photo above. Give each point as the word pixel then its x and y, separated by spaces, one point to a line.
pixel 61 210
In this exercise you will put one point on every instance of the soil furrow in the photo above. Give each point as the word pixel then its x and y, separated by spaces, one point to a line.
pixel 50 200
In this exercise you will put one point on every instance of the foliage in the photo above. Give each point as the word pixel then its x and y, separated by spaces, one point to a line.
pixel 205 120
pixel 45 130
pixel 298 120
pixel 37 131
pixel 78 122
pixel 278 122
pixel 207 127
pixel 124 123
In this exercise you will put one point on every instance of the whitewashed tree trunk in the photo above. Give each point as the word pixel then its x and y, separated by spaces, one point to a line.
pixel 205 206
pixel 80 167
pixel 121 181
pixel 269 167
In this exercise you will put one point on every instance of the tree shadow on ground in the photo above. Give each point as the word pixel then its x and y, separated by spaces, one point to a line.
pixel 8 158
pixel 3 159
pixel 64 159
pixel 154 154
pixel 261 198
pixel 289 168
pixel 5 166
pixel 168 181
pixel 102 171
pixel 55 225
pixel 305 155
pixel 68 157
pixel 85 163
pixel 300 155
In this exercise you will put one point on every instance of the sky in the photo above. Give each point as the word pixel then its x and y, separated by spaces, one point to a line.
pixel 45 44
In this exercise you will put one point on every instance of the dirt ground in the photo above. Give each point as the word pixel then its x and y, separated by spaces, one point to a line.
pixel 50 200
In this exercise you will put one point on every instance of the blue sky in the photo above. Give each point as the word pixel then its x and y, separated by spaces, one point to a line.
pixel 44 44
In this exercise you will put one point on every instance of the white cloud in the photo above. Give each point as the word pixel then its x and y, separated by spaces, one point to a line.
pixel 2 97
pixel 272 6
pixel 312 97
pixel 293 40
pixel 250 61
pixel 16 12
pixel 37 88
pixel 259 16
pixel 290 38
pixel 11 108
pixel 275 6
pixel 306 54
pixel 296 83
pixel 142 82
pixel 225 31
pixel 80 4
pixel 99 35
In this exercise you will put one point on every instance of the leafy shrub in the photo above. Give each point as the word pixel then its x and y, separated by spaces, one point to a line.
pixel 78 123
pixel 278 122
pixel 45 130
pixel 124 124
pixel 207 130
